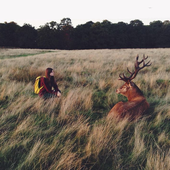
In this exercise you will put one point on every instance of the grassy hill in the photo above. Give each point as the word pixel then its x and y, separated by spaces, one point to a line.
pixel 72 132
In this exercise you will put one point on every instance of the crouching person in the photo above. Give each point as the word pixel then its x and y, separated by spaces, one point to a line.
pixel 49 86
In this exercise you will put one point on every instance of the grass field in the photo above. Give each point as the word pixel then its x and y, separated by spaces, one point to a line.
pixel 72 132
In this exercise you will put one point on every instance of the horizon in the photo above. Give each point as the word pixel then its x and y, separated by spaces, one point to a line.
pixel 37 25
pixel 37 13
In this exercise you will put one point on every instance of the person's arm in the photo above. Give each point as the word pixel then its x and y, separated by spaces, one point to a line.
pixel 57 91
pixel 56 87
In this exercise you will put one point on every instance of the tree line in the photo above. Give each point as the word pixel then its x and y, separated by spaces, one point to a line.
pixel 99 35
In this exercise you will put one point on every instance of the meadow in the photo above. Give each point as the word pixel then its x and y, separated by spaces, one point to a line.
pixel 72 132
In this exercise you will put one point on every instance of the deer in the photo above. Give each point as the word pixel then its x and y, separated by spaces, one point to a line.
pixel 137 104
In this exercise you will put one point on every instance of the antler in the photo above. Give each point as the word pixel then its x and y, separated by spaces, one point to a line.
pixel 137 68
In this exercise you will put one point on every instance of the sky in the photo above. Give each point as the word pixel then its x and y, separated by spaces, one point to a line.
pixel 39 12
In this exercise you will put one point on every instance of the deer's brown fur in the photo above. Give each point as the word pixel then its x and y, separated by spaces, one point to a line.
pixel 136 105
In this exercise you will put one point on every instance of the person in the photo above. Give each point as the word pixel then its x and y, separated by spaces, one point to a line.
pixel 50 88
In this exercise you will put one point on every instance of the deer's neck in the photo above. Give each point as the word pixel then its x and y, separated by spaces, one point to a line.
pixel 135 96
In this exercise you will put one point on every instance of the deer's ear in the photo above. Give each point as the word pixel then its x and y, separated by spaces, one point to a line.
pixel 131 84
pixel 128 84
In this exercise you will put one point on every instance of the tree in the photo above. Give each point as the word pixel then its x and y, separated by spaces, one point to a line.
pixel 136 34
pixel 90 35
pixel 120 33
pixel 7 34
pixel 82 34
pixel 46 37
pixel 136 23
pixel 164 38
pixel 26 36
pixel 66 31
pixel 155 32
pixel 53 25
pixel 64 23
pixel 107 37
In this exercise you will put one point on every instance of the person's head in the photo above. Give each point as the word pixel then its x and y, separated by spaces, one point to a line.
pixel 49 72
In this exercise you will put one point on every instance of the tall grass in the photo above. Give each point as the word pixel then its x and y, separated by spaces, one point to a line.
pixel 72 132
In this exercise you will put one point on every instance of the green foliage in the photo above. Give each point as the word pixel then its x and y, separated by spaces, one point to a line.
pixel 163 86
pixel 92 115
pixel 13 156
pixel 122 98
pixel 99 100
pixel 22 55
pixel 90 35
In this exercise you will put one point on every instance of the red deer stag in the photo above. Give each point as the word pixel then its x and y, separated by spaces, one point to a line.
pixel 136 105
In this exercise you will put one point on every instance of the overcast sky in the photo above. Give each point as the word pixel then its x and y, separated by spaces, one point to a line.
pixel 39 12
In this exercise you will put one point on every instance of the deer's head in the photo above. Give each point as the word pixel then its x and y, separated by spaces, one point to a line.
pixel 130 89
